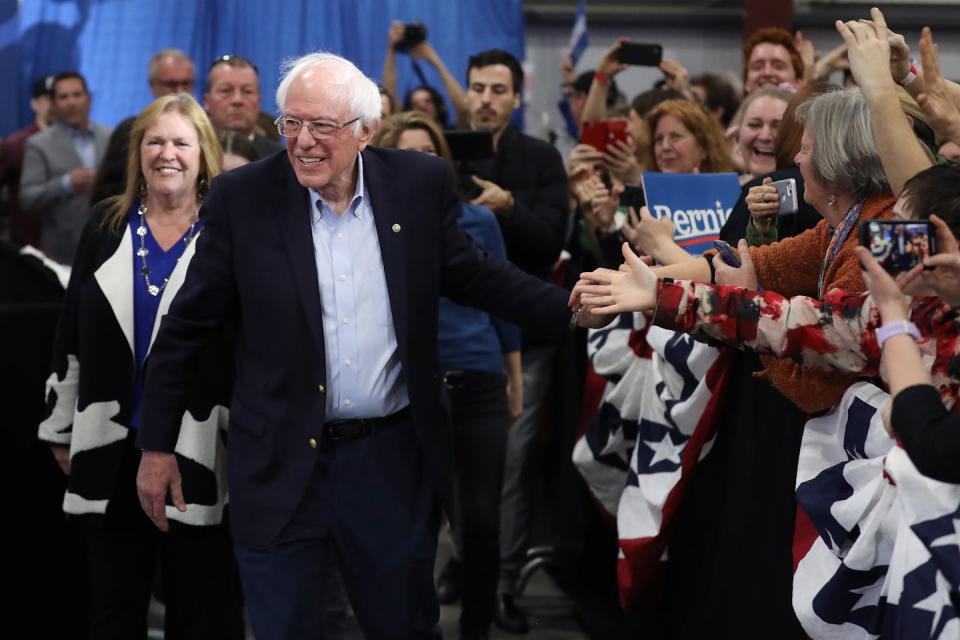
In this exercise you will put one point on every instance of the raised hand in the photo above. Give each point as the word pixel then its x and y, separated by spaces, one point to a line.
pixel 869 53
pixel 942 114
pixel 885 291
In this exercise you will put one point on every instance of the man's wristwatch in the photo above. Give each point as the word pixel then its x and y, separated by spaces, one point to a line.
pixel 899 328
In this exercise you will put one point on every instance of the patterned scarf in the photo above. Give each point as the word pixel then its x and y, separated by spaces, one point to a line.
pixel 840 235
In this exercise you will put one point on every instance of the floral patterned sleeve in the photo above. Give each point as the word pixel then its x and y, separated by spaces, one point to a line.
pixel 834 333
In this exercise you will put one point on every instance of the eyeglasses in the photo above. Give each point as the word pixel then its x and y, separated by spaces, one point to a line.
pixel 234 61
pixel 289 127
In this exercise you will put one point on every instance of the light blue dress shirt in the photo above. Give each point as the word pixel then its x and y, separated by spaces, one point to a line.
pixel 364 377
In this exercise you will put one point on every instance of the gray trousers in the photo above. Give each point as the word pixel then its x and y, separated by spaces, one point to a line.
pixel 515 507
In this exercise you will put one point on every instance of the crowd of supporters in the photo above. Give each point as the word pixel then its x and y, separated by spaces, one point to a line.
pixel 863 133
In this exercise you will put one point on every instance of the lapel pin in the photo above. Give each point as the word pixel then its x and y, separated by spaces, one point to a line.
pixel 396 228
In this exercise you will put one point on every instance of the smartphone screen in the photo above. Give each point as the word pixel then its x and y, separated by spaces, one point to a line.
pixel 898 245
pixel 639 54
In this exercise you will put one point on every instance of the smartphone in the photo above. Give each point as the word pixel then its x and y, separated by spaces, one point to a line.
pixel 466 145
pixel 633 197
pixel 898 245
pixel 727 253
pixel 601 134
pixel 787 196
pixel 639 54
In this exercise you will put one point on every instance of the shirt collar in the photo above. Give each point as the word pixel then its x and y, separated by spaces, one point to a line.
pixel 319 204
pixel 77 133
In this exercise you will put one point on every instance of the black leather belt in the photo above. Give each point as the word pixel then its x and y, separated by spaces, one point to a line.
pixel 341 431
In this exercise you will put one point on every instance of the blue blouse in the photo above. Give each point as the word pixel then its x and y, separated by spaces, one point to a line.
pixel 161 264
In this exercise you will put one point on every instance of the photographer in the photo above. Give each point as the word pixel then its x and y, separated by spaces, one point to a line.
pixel 411 38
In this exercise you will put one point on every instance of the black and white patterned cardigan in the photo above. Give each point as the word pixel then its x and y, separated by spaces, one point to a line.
pixel 90 391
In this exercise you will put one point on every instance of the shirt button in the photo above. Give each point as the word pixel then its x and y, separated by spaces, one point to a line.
pixel 347 403
pixel 339 236
pixel 348 362
pixel 313 443
pixel 346 321
pixel 343 277
pixel 321 389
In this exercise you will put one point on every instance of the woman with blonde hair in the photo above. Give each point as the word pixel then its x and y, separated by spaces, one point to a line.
pixel 131 261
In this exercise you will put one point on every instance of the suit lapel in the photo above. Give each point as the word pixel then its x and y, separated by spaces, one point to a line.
pixel 293 216
pixel 115 278
pixel 390 221
pixel 66 153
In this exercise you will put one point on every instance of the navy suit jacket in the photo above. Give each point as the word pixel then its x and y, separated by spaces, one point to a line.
pixel 255 259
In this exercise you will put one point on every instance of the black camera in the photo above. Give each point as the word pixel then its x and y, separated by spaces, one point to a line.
pixel 413 34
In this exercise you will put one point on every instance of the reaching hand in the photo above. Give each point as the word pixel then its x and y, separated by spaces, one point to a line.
pixel 942 114
pixel 807 53
pixel 763 203
pixel 831 61
pixel 675 75
pixel 609 292
pixel 889 298
pixel 646 233
pixel 869 53
pixel 159 472
pixel 899 50
pixel 395 33
pixel 610 64
pixel 745 276
pixel 424 51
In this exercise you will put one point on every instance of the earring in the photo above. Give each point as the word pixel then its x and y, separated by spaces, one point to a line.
pixel 831 200
pixel 143 191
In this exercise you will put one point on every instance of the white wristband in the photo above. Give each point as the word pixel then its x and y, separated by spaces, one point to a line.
pixel 890 329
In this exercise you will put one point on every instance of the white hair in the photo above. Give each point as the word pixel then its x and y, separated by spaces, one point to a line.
pixel 347 84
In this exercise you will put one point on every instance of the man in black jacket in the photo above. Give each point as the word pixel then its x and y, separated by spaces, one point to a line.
pixel 525 185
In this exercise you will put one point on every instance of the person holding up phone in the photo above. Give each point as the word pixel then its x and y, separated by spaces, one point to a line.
pixel 424 97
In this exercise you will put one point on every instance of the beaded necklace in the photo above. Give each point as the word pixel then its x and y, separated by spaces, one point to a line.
pixel 143 252
pixel 840 235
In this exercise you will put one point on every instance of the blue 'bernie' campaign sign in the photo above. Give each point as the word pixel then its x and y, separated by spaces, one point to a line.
pixel 698 204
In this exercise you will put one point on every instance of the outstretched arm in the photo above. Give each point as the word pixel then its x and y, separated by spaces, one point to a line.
pixel 869 52
pixel 424 51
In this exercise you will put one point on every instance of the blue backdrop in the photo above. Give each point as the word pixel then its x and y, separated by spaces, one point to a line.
pixel 110 41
